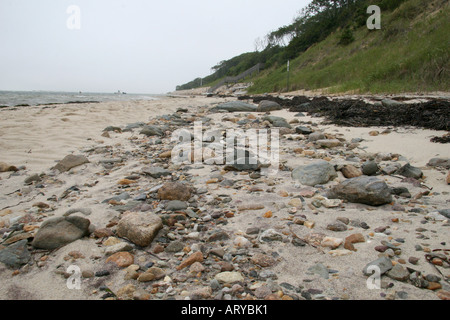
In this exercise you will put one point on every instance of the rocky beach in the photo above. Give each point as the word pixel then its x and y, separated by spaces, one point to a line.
pixel 92 207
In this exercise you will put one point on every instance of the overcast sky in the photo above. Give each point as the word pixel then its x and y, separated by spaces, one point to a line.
pixel 137 46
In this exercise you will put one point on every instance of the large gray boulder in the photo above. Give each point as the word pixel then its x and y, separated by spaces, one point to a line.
pixel 235 106
pixel 319 172
pixel 267 105
pixel 58 232
pixel 363 189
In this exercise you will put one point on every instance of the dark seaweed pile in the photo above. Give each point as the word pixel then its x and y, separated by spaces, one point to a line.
pixel 433 114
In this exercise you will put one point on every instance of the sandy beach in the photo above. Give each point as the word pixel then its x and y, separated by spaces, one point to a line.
pixel 238 235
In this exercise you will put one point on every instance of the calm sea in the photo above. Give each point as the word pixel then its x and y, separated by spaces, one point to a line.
pixel 34 98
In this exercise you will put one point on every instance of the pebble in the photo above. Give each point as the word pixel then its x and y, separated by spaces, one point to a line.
pixel 263 260
pixel 195 257
pixel 337 226
pixel 121 259
pixel 229 277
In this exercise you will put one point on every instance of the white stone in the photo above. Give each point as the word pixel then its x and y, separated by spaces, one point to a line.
pixel 229 277
pixel 331 242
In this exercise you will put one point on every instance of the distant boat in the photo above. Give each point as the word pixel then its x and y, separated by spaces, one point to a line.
pixel 119 92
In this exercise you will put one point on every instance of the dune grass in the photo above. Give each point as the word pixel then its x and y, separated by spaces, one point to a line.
pixel 406 55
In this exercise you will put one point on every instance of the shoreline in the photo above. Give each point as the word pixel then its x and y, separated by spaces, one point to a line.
pixel 212 232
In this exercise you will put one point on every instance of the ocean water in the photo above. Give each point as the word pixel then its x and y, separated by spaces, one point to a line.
pixel 35 98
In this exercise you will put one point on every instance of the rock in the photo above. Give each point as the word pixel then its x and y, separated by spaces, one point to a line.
pixel 112 128
pixel 126 292
pixel 319 172
pixel 267 105
pixel 296 203
pixel 366 190
pixel 156 172
pixel 57 232
pixel 235 106
pixel 229 277
pixel 384 264
pixel 146 277
pixel 174 246
pixel 121 259
pixel 337 226
pixel 350 171
pixel 158 273
pixel 6 167
pixel 445 213
pixel 201 293
pixel 263 260
pixel 33 178
pixel 176 205
pixel 417 279
pixel 139 228
pixel 316 136
pixel 118 247
pixel 409 171
pixel 15 255
pixel 270 235
pixel 309 224
pixel 448 178
pixel 328 143
pixel 413 260
pixel 195 257
pixel 242 242
pixel 277 122
pixel 398 272
pixel 196 267
pixel 174 191
pixel 303 130
pixel 331 242
pixel 149 131
pixel 443 295
pixel 351 239
pixel 331 203
pixel 262 292
pixel 370 168
pixel 439 162
pixel 70 161
pixel 218 235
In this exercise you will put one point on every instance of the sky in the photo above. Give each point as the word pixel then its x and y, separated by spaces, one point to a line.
pixel 136 46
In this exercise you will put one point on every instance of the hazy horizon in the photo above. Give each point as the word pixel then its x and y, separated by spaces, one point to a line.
pixel 135 46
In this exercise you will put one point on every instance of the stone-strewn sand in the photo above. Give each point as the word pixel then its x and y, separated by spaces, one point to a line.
pixel 33 139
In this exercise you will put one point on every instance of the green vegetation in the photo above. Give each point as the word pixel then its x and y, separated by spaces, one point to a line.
pixel 330 47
